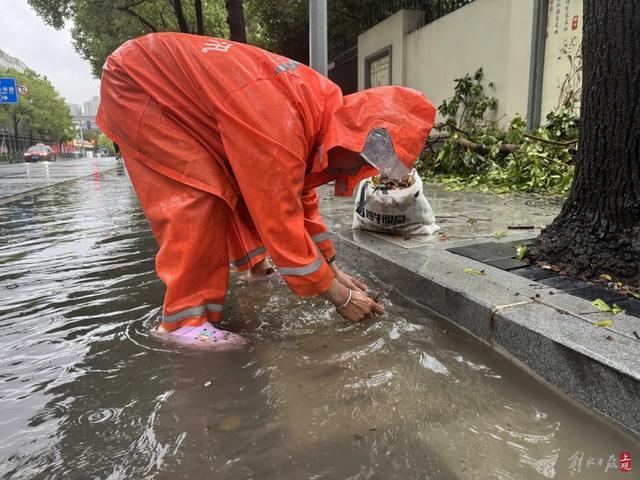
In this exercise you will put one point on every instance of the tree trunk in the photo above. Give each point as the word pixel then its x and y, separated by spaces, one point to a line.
pixel 598 230
pixel 197 4
pixel 182 20
pixel 235 18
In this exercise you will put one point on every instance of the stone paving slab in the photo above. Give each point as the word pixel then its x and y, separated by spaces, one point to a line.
pixel 548 331
pixel 19 179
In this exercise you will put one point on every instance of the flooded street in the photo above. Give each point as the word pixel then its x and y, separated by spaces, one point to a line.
pixel 86 393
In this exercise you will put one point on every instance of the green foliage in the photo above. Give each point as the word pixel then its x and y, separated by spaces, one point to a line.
pixel 43 111
pixel 469 105
pixel 99 27
pixel 478 153
pixel 104 142
pixel 280 26
pixel 90 135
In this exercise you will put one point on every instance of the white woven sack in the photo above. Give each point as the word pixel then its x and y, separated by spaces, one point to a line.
pixel 399 212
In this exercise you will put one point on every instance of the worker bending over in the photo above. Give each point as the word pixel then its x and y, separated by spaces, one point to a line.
pixel 225 144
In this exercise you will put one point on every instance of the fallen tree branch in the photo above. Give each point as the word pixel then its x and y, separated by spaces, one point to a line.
pixel 144 21
pixel 561 143
pixel 505 148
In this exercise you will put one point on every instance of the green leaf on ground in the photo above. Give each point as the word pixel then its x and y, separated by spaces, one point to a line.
pixel 601 305
pixel 473 271
pixel 616 309
pixel 500 234
pixel 604 323
pixel 521 251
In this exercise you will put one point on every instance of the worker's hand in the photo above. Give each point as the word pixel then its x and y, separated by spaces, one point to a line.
pixel 360 307
pixel 347 280
pixel 354 305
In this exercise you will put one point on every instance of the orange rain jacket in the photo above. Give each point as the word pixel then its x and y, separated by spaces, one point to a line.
pixel 277 119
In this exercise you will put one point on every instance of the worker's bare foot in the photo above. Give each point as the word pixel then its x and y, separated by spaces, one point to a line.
pixel 262 271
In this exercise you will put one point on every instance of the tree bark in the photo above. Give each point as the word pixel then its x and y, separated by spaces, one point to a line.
pixel 197 4
pixel 598 229
pixel 182 20
pixel 235 18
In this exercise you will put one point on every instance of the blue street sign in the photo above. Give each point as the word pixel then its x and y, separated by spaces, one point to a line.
pixel 8 90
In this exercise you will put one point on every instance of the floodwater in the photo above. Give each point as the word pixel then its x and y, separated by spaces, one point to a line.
pixel 86 393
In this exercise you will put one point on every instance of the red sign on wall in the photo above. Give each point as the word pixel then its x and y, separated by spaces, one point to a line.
pixel 574 23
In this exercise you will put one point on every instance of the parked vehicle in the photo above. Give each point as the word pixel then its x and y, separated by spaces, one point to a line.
pixel 38 152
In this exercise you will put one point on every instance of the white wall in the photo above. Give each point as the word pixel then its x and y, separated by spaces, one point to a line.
pixel 389 32
pixel 493 34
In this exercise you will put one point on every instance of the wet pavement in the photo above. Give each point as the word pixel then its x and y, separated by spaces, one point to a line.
pixel 16 179
pixel 86 393
pixel 464 217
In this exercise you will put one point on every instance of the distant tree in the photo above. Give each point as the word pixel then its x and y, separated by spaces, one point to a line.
pixel 43 111
pixel 598 230
pixel 91 135
pixel 99 27
pixel 281 26
pixel 104 142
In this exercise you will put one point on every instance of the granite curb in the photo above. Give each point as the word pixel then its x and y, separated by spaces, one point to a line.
pixel 550 333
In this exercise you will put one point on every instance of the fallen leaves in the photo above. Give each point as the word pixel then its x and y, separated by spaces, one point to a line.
pixel 604 307
pixel 230 423
pixel 601 305
pixel 381 181
pixel 473 271
pixel 500 234
pixel 604 323
pixel 521 251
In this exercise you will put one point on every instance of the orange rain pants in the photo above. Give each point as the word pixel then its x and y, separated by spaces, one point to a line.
pixel 198 234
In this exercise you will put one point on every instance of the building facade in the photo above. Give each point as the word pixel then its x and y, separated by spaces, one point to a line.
pixel 528 49
pixel 91 107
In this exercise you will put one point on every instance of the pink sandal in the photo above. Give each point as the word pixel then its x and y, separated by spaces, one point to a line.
pixel 202 336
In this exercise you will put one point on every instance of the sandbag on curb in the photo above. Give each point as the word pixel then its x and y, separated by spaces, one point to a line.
pixel 403 211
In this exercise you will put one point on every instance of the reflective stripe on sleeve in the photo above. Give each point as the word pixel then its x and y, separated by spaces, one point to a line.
pixel 320 237
pixel 248 256
pixel 302 271
pixel 192 312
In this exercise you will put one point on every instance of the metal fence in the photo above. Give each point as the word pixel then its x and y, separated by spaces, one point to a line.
pixel 343 71
pixel 12 147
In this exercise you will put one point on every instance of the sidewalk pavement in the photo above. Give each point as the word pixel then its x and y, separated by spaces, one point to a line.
pixel 527 313
pixel 19 179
